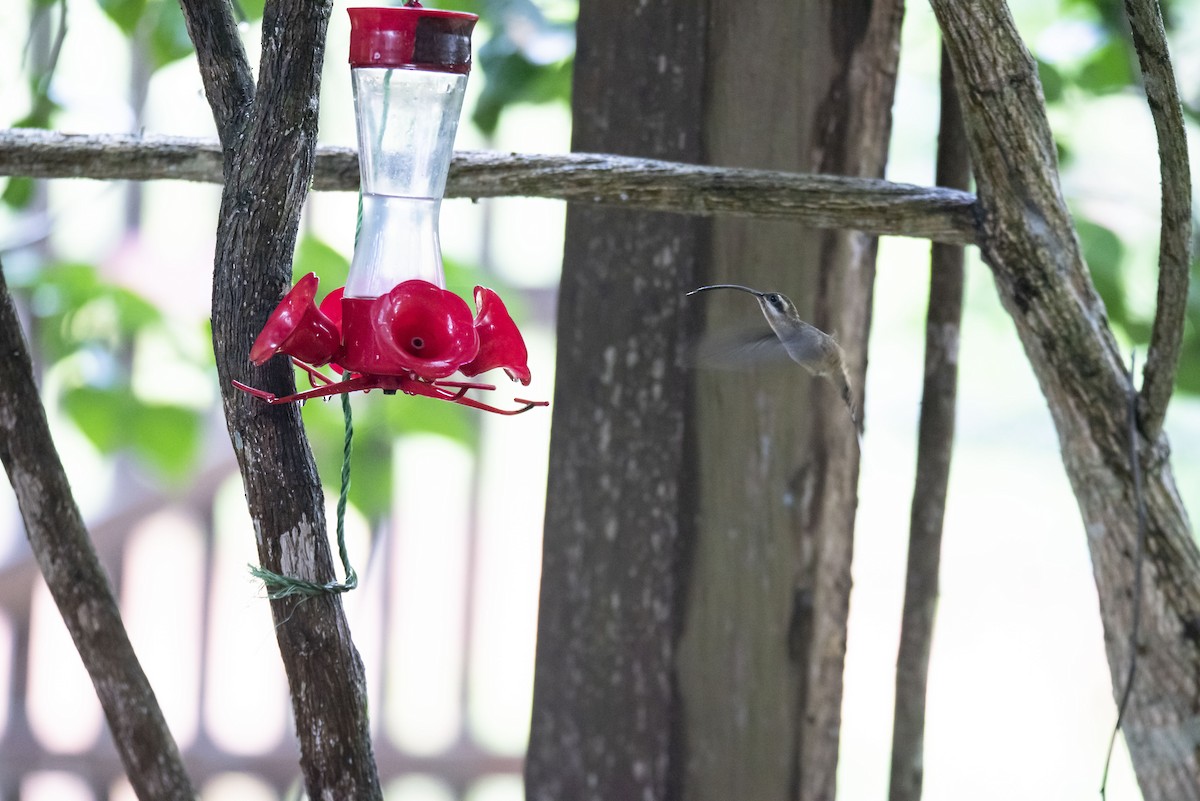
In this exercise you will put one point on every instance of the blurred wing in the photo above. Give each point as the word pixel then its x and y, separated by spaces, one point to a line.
pixel 739 350
pixel 810 349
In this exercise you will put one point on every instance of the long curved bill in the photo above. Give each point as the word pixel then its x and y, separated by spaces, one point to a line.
pixel 726 286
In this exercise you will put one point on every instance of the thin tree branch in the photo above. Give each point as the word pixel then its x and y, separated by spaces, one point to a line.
pixel 935 442
pixel 42 87
pixel 269 149
pixel 224 68
pixel 1175 234
pixel 821 201
pixel 77 582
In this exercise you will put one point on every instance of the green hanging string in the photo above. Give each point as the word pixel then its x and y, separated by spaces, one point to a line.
pixel 278 586
pixel 347 446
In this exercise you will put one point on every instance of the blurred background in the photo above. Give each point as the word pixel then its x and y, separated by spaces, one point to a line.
pixel 445 524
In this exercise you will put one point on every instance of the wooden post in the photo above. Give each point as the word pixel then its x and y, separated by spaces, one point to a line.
pixel 699 525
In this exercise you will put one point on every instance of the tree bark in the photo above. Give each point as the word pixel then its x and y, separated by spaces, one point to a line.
pixel 606 709
pixel 696 563
pixel 856 115
pixel 1029 242
pixel 935 442
pixel 820 201
pixel 269 140
pixel 75 577
pixel 1175 235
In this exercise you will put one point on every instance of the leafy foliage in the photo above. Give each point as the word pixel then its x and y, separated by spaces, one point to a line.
pixel 1104 253
pixel 159 24
pixel 88 331
pixel 165 437
pixel 528 59
pixel 167 38
pixel 125 13
pixel 1188 379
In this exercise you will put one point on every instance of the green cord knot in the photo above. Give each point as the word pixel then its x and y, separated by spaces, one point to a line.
pixel 279 586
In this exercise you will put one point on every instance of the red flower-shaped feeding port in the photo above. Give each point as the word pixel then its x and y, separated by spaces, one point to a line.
pixel 409 340
pixel 500 343
pixel 298 327
pixel 416 328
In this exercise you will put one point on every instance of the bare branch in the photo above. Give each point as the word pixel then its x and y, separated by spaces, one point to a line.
pixel 820 201
pixel 76 580
pixel 35 153
pixel 224 68
pixel 935 442
pixel 1162 95
pixel 1029 242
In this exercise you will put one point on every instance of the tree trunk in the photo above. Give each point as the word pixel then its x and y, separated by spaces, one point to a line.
pixel 764 643
pixel 268 135
pixel 605 711
pixel 76 579
pixel 1029 242
pixel 698 542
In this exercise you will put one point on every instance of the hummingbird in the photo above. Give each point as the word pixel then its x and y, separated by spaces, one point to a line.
pixel 807 345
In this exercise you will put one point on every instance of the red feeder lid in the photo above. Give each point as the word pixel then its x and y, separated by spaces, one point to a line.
pixel 411 37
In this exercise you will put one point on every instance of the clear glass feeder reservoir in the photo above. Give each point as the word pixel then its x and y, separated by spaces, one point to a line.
pixel 409 69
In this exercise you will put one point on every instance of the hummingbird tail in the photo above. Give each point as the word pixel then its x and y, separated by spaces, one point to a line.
pixel 848 398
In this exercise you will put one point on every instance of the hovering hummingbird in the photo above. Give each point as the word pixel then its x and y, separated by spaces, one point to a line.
pixel 807 345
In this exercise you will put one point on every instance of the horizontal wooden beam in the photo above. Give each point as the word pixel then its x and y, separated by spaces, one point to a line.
pixel 819 201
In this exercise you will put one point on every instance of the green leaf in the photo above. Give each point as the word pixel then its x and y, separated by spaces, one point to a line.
pixel 1188 377
pixel 1052 81
pixel 169 40
pixel 77 281
pixel 164 437
pixel 371 469
pixel 461 278
pixel 18 193
pixel 161 21
pixel 43 108
pixel 510 78
pixel 315 256
pixel 1105 253
pixel 133 311
pixel 1066 153
pixel 125 13
pixel 1107 69
pixel 78 308
pixel 405 415
pixel 100 414
pixel 529 59
pixel 247 10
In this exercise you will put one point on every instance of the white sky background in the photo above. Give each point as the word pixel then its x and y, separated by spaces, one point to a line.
pixel 1020 700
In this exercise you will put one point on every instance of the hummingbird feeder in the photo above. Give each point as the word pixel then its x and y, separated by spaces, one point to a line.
pixel 395 326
